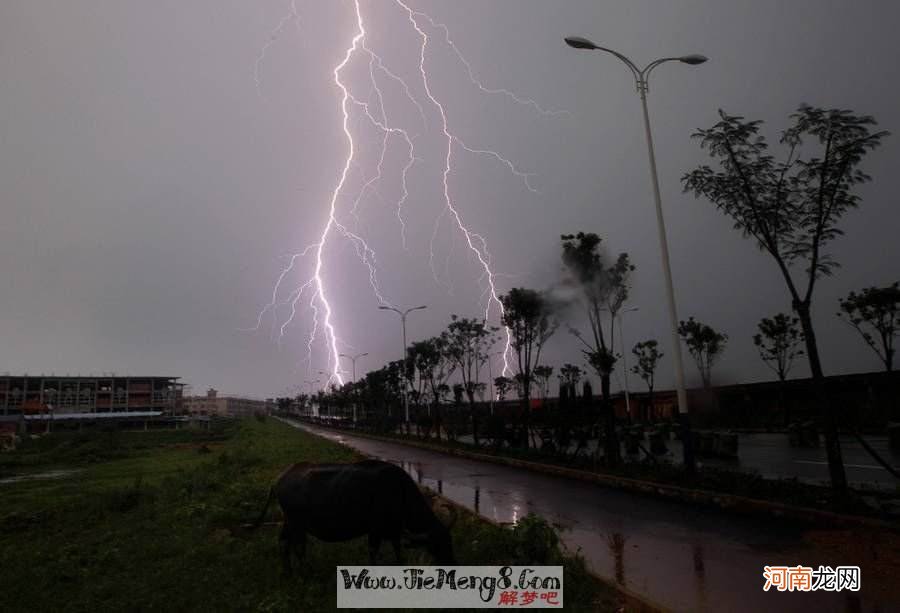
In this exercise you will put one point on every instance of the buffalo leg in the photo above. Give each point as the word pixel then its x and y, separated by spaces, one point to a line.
pixel 374 544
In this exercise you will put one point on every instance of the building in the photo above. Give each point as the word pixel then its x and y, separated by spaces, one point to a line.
pixel 37 395
pixel 226 406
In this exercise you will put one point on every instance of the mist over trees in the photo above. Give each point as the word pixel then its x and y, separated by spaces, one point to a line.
pixel 602 288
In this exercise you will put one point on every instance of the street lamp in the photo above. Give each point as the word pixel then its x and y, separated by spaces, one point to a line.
pixel 403 315
pixel 353 359
pixel 641 76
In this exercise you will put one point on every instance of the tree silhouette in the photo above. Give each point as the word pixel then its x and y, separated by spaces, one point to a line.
pixel 603 290
pixel 466 345
pixel 792 208
pixel 542 376
pixel 778 342
pixel 704 344
pixel 648 356
pixel 527 316
pixel 430 361
pixel 569 376
pixel 875 311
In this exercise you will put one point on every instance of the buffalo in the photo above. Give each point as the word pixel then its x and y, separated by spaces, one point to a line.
pixel 339 502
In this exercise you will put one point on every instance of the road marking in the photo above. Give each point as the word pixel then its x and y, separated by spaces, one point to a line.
pixel 847 465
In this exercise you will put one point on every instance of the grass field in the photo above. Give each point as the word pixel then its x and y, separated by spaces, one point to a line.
pixel 151 521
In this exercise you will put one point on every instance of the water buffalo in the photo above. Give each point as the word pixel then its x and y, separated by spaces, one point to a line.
pixel 338 502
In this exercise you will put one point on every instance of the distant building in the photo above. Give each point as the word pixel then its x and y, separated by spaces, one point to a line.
pixel 226 406
pixel 33 395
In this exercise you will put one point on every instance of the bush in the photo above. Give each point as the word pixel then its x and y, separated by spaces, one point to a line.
pixel 536 541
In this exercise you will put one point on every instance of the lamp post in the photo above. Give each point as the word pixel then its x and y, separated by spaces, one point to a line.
pixel 353 359
pixel 403 315
pixel 625 357
pixel 641 76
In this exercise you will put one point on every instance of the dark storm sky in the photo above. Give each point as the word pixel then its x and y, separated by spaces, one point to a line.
pixel 150 190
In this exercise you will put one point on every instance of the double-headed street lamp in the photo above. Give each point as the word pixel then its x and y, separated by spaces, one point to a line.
pixel 353 359
pixel 641 76
pixel 403 315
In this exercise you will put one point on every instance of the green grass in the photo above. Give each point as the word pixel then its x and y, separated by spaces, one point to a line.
pixel 152 521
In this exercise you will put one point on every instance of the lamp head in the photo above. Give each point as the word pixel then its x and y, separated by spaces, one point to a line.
pixel 579 42
pixel 693 59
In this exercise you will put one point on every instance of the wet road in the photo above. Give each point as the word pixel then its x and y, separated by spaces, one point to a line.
pixel 770 455
pixel 683 557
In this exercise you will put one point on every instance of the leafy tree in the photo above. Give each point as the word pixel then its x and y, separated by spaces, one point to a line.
pixel 704 344
pixel 502 385
pixel 875 311
pixel 792 208
pixel 778 342
pixel 527 316
pixel 542 376
pixel 284 404
pixel 466 345
pixel 648 356
pixel 430 361
pixel 418 380
pixel 569 376
pixel 603 291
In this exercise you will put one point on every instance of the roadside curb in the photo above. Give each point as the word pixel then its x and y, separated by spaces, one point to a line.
pixel 726 502
pixel 632 601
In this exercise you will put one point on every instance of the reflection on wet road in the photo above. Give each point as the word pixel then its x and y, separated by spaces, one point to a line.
pixel 683 557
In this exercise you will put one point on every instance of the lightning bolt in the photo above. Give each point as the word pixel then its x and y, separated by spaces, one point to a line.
pixel 292 16
pixel 374 112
